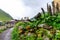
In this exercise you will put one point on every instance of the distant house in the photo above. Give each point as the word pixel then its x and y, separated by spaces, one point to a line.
pixel 25 19
pixel 1 23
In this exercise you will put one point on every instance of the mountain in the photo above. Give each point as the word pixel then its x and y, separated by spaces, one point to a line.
pixel 4 16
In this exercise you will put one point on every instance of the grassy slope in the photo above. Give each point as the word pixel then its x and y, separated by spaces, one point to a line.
pixel 4 16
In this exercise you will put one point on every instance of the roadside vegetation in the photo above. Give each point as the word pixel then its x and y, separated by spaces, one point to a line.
pixel 44 26
pixel 2 28
pixel 4 17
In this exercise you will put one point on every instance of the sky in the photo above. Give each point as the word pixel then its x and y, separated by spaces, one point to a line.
pixel 23 8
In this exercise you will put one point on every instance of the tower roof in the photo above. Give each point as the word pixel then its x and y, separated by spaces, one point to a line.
pixel 56 0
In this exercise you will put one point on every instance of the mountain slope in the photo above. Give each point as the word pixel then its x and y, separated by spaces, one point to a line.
pixel 4 16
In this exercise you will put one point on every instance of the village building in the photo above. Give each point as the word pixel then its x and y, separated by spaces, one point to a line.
pixel 10 23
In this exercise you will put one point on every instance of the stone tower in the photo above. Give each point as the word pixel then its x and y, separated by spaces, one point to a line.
pixel 57 1
pixel 57 4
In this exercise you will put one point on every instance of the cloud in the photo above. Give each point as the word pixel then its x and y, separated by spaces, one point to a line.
pixel 36 3
pixel 22 8
pixel 15 8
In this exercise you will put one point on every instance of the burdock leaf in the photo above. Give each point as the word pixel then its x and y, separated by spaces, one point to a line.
pixel 38 16
pixel 43 12
pixel 57 7
pixel 47 7
pixel 53 5
pixel 50 11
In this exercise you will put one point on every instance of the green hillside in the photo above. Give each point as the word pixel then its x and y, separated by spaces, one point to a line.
pixel 4 16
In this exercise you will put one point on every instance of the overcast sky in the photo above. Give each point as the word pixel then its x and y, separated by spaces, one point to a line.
pixel 21 8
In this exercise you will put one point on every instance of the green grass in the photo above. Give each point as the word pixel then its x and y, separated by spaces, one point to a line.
pixel 2 30
pixel 4 16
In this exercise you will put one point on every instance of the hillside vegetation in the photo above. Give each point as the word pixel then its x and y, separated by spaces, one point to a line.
pixel 4 16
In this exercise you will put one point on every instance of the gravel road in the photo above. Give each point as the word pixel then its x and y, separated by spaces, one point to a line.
pixel 6 35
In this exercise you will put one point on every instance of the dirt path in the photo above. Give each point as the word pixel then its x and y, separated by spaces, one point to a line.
pixel 6 35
